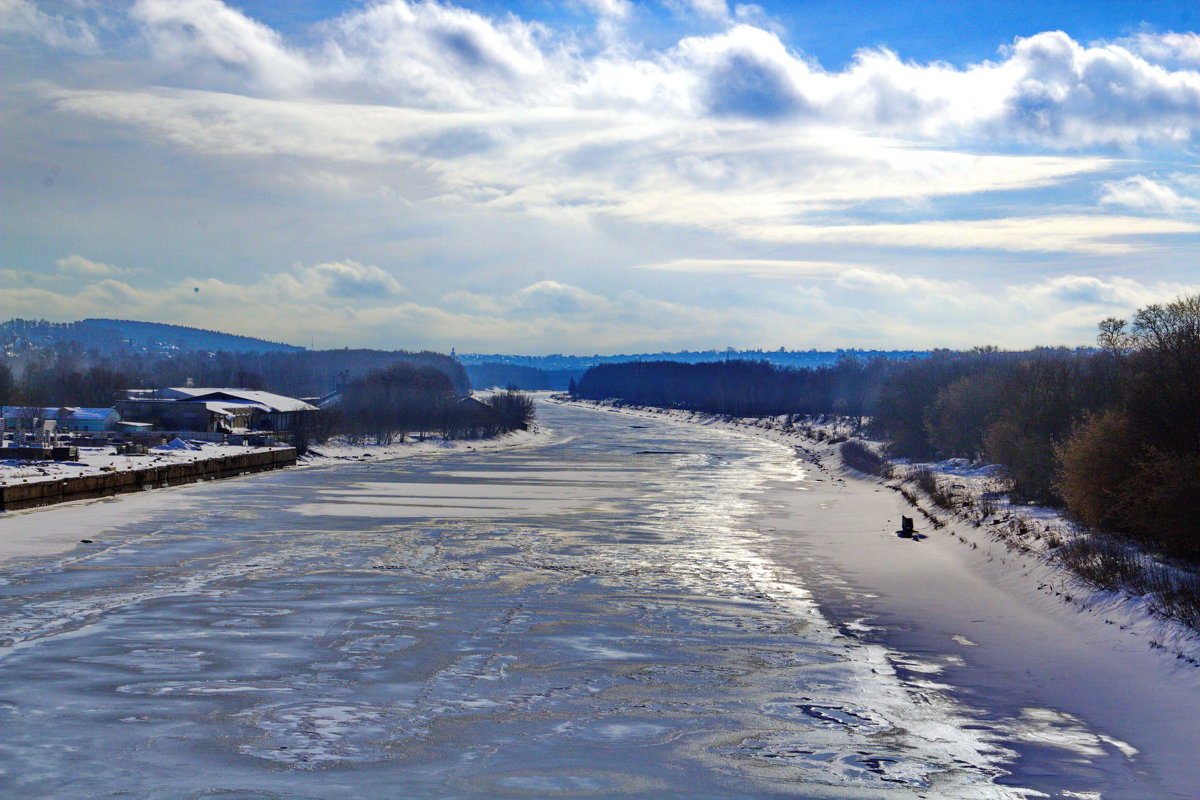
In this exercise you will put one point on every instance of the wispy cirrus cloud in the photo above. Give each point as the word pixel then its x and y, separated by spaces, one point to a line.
pixel 83 267
pixel 23 18
pixel 1146 194
pixel 724 178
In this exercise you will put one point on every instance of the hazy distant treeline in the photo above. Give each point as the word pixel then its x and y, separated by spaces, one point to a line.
pixel 491 374
pixel 780 357
pixel 1111 435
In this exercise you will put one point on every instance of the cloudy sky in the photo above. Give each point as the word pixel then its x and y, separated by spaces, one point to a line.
pixel 600 175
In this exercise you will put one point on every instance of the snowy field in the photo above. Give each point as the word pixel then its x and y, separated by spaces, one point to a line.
pixel 625 607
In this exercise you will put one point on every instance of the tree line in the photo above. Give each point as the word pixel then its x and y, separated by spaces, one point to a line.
pixel 394 402
pixel 1109 434
pixel 741 388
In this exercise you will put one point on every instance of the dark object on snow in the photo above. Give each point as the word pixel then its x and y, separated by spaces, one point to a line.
pixel 906 528
pixel 86 541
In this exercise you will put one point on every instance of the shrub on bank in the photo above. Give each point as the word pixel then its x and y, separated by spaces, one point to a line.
pixel 859 456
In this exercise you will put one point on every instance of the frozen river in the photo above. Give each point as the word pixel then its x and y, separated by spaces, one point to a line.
pixel 591 616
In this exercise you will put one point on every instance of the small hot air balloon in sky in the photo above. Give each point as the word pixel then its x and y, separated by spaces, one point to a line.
pixel 196 290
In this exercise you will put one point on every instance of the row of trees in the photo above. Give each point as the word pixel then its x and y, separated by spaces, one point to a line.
pixel 1135 466
pixel 1008 408
pixel 1112 435
pixel 741 388
pixel 392 403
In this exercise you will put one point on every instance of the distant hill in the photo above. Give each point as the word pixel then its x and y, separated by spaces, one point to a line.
pixel 119 335
pixel 150 334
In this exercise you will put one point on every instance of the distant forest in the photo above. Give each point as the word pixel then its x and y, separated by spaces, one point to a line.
pixel 42 365
pixel 1112 435
pixel 116 336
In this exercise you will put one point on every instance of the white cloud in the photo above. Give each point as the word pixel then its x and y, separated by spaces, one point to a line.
pixel 349 279
pixel 723 177
pixel 437 56
pixel 1145 194
pixel 185 32
pixel 751 267
pixel 730 131
pixel 1096 234
pixel 1170 46
pixel 613 9
pixel 711 9
pixel 557 298
pixel 1045 88
pixel 23 18
pixel 83 267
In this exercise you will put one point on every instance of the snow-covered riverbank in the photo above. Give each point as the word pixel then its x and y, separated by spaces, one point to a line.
pixel 1011 532
pixel 341 450
pixel 1004 629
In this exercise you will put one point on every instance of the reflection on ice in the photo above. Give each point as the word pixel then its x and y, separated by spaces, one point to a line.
pixel 154 659
pixel 315 734
pixel 616 731
pixel 565 474
pixel 1059 729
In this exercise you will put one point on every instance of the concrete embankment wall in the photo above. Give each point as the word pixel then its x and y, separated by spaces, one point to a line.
pixel 44 493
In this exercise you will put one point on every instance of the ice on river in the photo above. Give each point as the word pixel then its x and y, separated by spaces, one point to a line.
pixel 589 618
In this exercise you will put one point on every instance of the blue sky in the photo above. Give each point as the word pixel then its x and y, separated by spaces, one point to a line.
pixel 601 175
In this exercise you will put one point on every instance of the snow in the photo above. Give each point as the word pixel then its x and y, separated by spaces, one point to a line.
pixel 50 529
pixel 65 414
pixel 267 401
pixel 1006 628
pixel 98 460
pixel 1014 528
pixel 339 449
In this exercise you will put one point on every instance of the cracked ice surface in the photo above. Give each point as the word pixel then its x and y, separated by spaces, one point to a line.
pixel 589 617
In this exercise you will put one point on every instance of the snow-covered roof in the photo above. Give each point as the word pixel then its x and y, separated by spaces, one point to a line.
pixel 221 406
pixel 264 400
